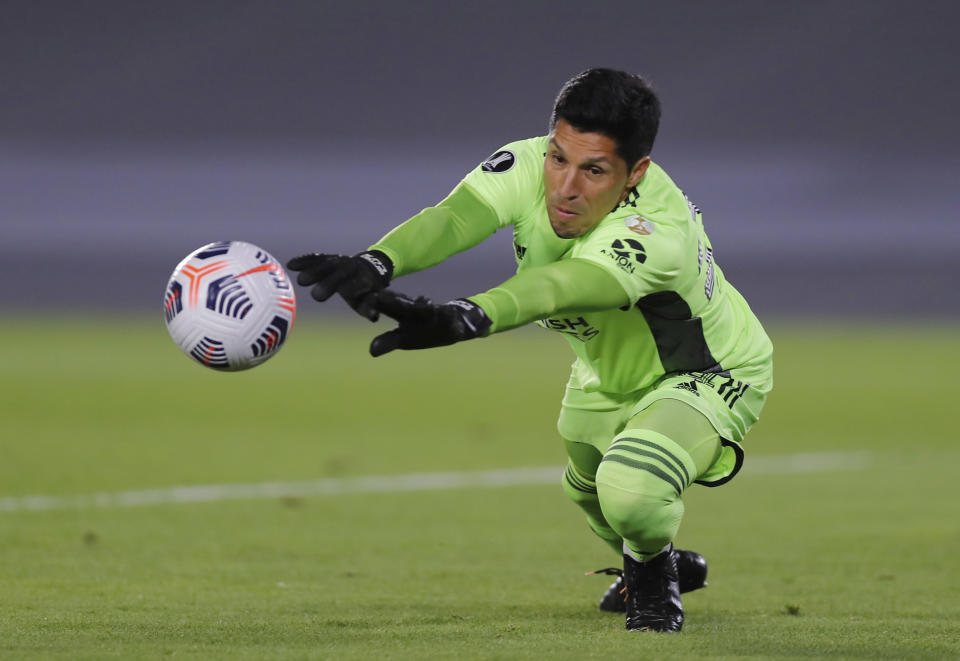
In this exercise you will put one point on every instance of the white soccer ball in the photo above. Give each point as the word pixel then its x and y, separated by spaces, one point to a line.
pixel 229 305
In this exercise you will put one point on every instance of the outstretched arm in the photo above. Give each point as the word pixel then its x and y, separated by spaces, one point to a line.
pixel 534 294
pixel 531 295
pixel 460 221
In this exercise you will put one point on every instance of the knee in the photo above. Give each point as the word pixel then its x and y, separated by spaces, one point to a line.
pixel 640 505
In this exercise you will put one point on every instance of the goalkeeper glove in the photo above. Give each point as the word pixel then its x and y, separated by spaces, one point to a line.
pixel 424 324
pixel 354 278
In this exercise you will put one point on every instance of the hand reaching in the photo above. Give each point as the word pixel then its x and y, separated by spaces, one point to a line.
pixel 424 324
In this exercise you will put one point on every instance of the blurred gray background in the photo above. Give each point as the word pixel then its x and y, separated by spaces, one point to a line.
pixel 819 138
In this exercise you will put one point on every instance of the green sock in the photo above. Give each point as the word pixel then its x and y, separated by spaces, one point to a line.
pixel 582 490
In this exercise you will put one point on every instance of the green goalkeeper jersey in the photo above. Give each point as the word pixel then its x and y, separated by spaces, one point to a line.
pixel 638 296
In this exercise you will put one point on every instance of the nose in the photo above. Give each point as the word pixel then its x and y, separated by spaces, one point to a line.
pixel 570 185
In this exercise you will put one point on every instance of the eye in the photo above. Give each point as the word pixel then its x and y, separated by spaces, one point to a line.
pixel 595 171
pixel 557 158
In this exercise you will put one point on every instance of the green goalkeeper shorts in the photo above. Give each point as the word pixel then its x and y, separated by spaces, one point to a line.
pixel 731 406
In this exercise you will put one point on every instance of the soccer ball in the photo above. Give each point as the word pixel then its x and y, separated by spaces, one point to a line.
pixel 229 305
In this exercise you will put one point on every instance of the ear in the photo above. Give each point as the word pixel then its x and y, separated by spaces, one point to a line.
pixel 637 171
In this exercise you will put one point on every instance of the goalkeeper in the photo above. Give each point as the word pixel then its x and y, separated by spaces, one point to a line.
pixel 672 367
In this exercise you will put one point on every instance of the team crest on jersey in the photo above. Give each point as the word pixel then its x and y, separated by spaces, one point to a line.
pixel 640 225
pixel 631 199
pixel 501 161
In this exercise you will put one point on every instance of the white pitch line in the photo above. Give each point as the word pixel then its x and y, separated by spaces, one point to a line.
pixel 806 462
pixel 790 463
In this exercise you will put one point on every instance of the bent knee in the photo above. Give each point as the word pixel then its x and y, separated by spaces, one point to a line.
pixel 640 505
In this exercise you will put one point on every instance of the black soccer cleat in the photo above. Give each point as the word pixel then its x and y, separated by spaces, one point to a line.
pixel 653 593
pixel 691 567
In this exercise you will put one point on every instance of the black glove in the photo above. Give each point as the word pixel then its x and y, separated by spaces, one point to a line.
pixel 425 324
pixel 354 278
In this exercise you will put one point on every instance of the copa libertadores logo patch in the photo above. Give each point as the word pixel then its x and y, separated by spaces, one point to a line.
pixel 502 161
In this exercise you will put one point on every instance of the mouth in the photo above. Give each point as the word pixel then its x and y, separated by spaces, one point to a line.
pixel 563 213
pixel 563 222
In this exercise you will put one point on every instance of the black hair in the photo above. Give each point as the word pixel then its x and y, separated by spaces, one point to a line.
pixel 619 105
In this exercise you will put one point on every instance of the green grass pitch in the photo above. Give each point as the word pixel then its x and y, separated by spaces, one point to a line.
pixel 857 562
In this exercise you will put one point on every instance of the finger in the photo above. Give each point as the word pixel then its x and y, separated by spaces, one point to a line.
pixel 328 286
pixel 386 343
pixel 394 304
pixel 318 272
pixel 304 262
pixel 300 262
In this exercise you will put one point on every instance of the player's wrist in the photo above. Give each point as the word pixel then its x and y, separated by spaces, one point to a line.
pixel 379 264
pixel 475 321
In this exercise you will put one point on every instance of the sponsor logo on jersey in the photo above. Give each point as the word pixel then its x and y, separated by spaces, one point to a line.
pixel 626 253
pixel 640 225
pixel 579 328
pixel 501 161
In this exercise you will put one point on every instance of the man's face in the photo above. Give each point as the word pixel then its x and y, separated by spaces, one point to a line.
pixel 584 179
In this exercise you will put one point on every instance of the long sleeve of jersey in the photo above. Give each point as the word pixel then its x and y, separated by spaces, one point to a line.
pixel 538 293
pixel 460 221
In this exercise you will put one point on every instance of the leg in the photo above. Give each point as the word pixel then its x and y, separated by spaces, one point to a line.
pixel 646 469
pixel 640 482
pixel 580 486
pixel 587 423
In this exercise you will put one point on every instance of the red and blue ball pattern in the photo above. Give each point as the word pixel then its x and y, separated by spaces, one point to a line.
pixel 229 305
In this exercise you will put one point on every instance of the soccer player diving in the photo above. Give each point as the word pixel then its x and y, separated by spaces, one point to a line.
pixel 672 368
